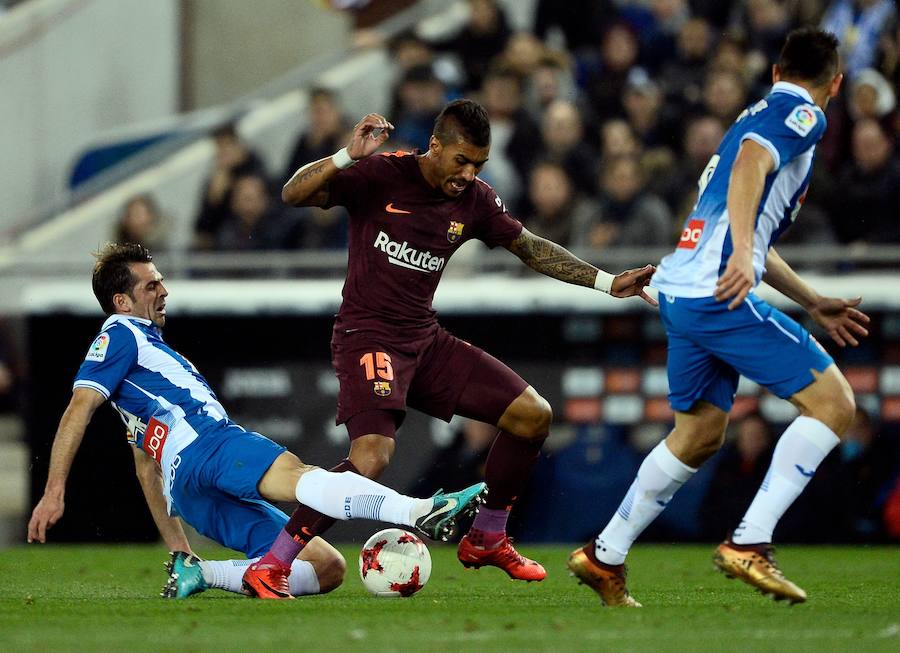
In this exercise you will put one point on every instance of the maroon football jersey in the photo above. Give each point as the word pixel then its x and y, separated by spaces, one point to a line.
pixel 402 233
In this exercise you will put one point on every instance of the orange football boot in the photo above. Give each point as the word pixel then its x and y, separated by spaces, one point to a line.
pixel 504 556
pixel 265 581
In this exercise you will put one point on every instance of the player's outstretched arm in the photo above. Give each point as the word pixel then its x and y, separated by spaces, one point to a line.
pixel 150 477
pixel 840 318
pixel 309 185
pixel 65 445
pixel 556 261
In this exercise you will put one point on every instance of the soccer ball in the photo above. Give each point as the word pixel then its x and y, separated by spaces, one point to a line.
pixel 394 562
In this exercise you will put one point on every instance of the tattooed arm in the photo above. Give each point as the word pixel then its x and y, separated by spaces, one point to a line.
pixel 309 185
pixel 556 261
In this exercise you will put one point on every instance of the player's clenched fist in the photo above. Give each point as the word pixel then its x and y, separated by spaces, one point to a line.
pixel 368 135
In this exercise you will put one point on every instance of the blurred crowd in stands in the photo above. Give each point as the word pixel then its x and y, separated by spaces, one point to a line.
pixel 603 116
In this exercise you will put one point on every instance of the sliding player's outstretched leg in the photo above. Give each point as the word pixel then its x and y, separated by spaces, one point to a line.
pixel 328 495
pixel 185 576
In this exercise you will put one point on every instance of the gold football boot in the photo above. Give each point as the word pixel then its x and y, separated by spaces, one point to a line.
pixel 755 565
pixel 607 580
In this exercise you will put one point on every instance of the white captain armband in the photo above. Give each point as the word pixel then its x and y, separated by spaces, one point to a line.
pixel 604 281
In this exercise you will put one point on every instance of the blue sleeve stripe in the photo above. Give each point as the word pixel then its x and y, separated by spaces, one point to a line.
pixel 93 385
pixel 756 138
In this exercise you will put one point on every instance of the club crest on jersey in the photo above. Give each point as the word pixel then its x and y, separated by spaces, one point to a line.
pixel 455 231
pixel 97 352
pixel 802 119
pixel 382 388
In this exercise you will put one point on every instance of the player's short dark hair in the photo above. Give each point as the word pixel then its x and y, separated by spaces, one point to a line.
pixel 810 54
pixel 463 119
pixel 112 271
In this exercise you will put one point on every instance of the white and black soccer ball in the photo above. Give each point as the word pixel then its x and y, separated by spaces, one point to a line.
pixel 394 562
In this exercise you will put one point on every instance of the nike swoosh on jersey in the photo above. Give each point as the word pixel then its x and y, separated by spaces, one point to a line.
pixel 390 209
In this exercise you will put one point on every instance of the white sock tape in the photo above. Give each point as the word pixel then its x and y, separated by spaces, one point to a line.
pixel 603 282
pixel 341 159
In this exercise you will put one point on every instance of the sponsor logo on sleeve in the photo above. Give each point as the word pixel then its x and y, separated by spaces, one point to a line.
pixel 802 119
pixel 691 234
pixel 97 352
pixel 155 439
pixel 455 231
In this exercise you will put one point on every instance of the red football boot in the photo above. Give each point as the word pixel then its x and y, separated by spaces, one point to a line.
pixel 504 556
pixel 265 581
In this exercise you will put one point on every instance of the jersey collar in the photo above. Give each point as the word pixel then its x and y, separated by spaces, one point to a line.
pixel 112 319
pixel 793 89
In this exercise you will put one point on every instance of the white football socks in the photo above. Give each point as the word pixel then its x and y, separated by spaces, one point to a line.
pixel 799 451
pixel 227 574
pixel 657 480
pixel 347 495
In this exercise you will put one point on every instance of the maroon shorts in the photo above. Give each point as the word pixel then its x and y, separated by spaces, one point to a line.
pixel 427 370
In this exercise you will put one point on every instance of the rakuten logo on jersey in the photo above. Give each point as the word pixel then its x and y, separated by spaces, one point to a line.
pixel 691 234
pixel 408 257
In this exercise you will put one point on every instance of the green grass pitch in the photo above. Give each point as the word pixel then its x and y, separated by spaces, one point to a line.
pixel 92 598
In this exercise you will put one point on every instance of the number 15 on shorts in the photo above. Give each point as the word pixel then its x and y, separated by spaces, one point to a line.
pixel 379 363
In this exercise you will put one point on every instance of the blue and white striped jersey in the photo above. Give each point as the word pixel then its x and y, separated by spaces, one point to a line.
pixel 164 401
pixel 789 125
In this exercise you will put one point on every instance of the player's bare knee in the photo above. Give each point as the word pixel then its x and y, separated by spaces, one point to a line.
pixel 331 571
pixel 837 413
pixel 830 400
pixel 538 419
pixel 698 434
pixel 709 443
pixel 371 454
pixel 529 416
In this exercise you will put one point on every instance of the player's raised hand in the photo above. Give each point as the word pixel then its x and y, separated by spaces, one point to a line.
pixel 841 319
pixel 631 283
pixel 737 280
pixel 368 135
pixel 46 513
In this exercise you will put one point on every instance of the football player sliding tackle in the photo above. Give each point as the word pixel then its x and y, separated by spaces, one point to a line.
pixel 194 462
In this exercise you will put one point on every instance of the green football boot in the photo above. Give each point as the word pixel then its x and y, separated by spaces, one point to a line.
pixel 185 576
pixel 440 522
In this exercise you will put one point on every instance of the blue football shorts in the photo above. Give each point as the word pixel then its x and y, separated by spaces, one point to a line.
pixel 215 490
pixel 710 347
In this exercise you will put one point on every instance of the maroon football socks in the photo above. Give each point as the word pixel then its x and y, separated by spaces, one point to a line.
pixel 303 525
pixel 506 473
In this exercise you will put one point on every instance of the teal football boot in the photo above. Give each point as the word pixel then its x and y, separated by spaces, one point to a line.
pixel 440 522
pixel 185 576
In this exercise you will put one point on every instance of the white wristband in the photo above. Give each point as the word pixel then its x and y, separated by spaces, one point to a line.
pixel 341 159
pixel 604 281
